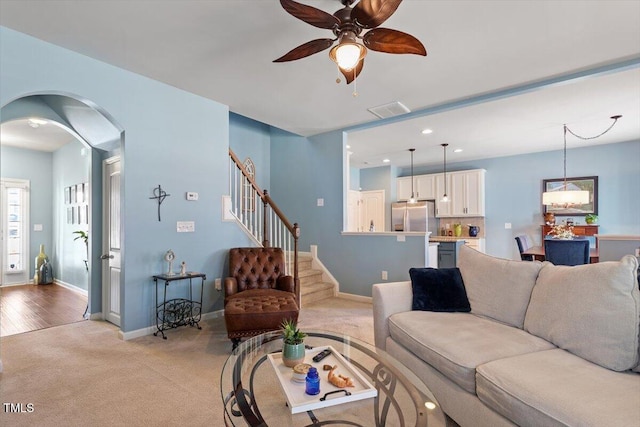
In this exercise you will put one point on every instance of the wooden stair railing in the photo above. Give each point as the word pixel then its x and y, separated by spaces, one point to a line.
pixel 258 214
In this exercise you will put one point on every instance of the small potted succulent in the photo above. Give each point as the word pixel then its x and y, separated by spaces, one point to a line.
pixel 591 218
pixel 293 343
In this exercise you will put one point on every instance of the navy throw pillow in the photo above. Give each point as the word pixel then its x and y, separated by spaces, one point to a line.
pixel 438 289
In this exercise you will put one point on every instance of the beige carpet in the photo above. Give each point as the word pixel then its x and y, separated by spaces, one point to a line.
pixel 83 375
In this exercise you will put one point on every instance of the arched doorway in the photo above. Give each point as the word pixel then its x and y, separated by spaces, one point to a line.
pixel 101 138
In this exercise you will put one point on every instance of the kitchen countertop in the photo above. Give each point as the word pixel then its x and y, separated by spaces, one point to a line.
pixel 451 238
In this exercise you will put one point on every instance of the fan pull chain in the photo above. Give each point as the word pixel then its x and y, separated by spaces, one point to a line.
pixel 355 83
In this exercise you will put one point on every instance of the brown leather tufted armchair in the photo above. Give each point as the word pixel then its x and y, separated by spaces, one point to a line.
pixel 258 295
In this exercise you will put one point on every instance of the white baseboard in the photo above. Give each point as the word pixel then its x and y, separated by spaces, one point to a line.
pixel 71 287
pixel 151 329
pixel 358 298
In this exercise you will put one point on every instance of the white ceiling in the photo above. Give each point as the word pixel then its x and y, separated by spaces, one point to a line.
pixel 223 50
pixel 47 137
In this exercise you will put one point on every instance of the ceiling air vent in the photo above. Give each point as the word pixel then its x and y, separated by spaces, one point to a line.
pixel 389 110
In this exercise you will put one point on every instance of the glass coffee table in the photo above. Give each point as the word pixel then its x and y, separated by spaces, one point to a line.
pixel 252 392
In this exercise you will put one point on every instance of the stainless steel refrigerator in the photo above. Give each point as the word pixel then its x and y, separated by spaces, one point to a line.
pixel 419 216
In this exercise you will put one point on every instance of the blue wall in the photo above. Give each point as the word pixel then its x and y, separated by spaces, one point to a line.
pixel 249 138
pixel 304 169
pixel 172 138
pixel 71 165
pixel 513 187
pixel 35 166
pixel 180 140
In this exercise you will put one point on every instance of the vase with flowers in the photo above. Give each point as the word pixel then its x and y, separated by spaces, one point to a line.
pixel 562 231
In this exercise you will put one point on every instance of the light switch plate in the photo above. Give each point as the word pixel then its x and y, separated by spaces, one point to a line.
pixel 186 227
pixel 192 195
pixel 507 226
pixel 320 202
pixel 37 227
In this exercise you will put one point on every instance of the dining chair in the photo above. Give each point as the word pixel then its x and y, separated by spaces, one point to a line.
pixel 566 252
pixel 524 242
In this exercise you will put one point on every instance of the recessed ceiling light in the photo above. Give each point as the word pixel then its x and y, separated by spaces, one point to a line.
pixel 458 150
pixel 386 161
pixel 426 131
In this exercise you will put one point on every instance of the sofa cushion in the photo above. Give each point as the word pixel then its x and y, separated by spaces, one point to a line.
pixel 555 387
pixel 498 288
pixel 590 310
pixel 438 289
pixel 455 343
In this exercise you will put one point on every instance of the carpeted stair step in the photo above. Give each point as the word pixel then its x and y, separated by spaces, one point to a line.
pixel 308 277
pixel 315 292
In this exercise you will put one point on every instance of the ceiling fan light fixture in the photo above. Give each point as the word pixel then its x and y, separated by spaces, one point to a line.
pixel 348 53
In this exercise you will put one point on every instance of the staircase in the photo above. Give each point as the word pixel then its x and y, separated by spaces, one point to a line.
pixel 312 288
pixel 259 216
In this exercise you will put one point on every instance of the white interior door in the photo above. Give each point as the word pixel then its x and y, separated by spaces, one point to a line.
pixel 353 216
pixel 372 210
pixel 111 286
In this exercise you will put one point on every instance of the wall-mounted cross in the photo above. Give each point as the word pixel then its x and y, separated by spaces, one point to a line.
pixel 159 194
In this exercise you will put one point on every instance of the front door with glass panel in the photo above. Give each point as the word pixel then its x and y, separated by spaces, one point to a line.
pixel 14 232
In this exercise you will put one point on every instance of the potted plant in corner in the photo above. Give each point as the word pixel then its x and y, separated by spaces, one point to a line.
pixel 293 343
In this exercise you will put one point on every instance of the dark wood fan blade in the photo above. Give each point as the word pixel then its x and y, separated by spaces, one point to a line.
pixel 371 13
pixel 349 75
pixel 310 14
pixel 304 50
pixel 393 41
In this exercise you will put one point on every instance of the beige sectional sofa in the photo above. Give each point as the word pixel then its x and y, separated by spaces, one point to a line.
pixel 543 345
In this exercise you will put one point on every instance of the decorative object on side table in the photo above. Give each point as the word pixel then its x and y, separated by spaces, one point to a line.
pixel 169 256
pixel 562 231
pixel 183 268
pixel 473 230
pixel 550 218
pixel 293 344
pixel 457 230
pixel 591 219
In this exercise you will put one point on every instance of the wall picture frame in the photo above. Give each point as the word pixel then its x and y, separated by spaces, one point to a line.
pixel 582 183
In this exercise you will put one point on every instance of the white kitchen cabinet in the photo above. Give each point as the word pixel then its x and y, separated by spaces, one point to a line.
pixel 443 209
pixel 475 243
pixel 425 187
pixel 403 188
pixel 467 193
pixel 464 188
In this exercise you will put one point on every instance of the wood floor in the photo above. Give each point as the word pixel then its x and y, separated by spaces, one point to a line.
pixel 30 307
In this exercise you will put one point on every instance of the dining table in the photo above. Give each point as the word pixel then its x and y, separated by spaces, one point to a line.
pixel 538 254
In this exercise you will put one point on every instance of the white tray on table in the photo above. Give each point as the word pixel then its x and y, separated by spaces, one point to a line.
pixel 299 401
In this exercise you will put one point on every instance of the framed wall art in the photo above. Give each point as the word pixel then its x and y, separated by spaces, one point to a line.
pixel 583 183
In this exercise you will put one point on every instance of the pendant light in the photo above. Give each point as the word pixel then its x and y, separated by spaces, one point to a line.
pixel 445 198
pixel 412 199
pixel 563 196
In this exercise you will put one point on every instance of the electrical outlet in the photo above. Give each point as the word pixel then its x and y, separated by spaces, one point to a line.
pixel 385 275
pixel 192 195
pixel 507 226
pixel 320 202
pixel 400 238
pixel 218 284
pixel 186 227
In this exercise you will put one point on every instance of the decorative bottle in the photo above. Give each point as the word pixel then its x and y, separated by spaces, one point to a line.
pixel 40 259
pixel 312 382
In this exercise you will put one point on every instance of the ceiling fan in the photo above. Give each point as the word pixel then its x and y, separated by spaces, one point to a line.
pixel 347 24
